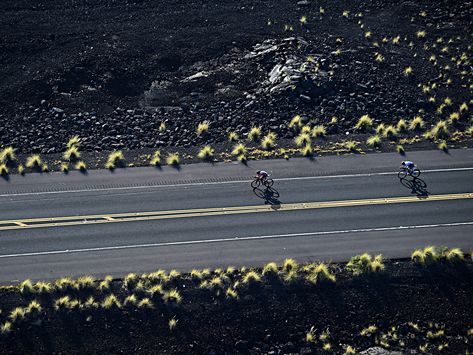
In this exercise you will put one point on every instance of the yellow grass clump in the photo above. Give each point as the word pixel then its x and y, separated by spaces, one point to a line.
pixel 295 122
pixel 202 128
pixel 364 123
pixel 416 124
pixel 254 134
pixel 206 153
pixel 173 159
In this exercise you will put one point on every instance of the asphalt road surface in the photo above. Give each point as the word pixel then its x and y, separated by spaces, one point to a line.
pixel 203 215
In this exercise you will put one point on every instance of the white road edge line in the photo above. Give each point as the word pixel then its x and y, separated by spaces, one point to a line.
pixel 234 239
pixel 221 182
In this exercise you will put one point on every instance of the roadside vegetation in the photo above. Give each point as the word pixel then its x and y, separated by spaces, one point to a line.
pixel 310 139
pixel 168 300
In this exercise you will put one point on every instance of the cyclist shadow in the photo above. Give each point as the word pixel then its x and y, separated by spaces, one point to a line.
pixel 417 186
pixel 270 196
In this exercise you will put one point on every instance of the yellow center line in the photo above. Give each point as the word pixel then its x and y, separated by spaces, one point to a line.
pixel 215 211
pixel 21 224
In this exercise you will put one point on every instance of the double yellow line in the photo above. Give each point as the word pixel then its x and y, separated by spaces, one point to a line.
pixel 20 224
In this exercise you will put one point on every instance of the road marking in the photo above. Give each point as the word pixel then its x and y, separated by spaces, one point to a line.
pixel 21 224
pixel 144 187
pixel 235 239
pixel 215 211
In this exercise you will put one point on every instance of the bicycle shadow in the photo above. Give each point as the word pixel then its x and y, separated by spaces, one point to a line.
pixel 417 186
pixel 270 196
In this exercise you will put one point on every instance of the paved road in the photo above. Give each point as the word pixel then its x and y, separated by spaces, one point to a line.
pixel 203 215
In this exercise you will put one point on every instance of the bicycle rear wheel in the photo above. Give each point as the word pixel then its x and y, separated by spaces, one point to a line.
pixel 402 174
pixel 269 182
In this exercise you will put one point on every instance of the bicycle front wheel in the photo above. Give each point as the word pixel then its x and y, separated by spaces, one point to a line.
pixel 255 183
pixel 415 173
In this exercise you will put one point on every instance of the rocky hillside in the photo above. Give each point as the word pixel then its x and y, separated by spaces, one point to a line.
pixel 112 72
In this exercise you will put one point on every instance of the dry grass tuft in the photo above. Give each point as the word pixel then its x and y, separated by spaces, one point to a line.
pixel 242 158
pixel 254 134
pixel 173 159
pixel 428 256
pixel 364 123
pixel 390 132
pixel 380 128
pixel 231 294
pixel 202 128
pixel 269 141
pixel 72 153
pixel 270 269
pixel 172 323
pixel 26 287
pixel 251 277
pixel 302 139
pixel 64 284
pixel 443 146
pixel 34 308
pixel 74 141
pixel 111 302
pixel 65 168
pixel 62 303
pixel 85 283
pixel 401 125
pixel 365 264
pixel 374 141
pixel 370 330
pixel 130 301
pixel 319 131
pixel 321 273
pixel 290 265
pixel 233 136
pixel 6 328
pixel 439 131
pixel 7 155
pixel 156 158
pixel 34 162
pixel 455 255
pixel 4 170
pixel 145 303
pixel 42 287
pixel 206 153
pixel 81 166
pixel 416 124
pixel 454 118
pixel 115 159
pixel 130 281
pixel 105 283
pixel 239 149
pixel 17 314
pixel 172 296
pixel 296 122
pixel 307 151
